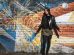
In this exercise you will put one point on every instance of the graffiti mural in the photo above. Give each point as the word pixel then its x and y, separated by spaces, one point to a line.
pixel 19 19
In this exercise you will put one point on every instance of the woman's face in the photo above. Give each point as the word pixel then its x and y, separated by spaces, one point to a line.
pixel 46 12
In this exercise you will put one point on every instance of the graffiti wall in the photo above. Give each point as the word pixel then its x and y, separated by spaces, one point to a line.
pixel 18 23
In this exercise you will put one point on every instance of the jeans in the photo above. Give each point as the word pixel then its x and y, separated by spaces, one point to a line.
pixel 45 44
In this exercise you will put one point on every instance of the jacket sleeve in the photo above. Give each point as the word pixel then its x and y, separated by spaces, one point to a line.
pixel 56 32
pixel 54 24
pixel 55 27
pixel 39 29
pixel 40 26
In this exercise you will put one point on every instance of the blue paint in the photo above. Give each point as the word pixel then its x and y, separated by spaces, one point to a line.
pixel 11 32
pixel 32 37
pixel 3 5
pixel 8 44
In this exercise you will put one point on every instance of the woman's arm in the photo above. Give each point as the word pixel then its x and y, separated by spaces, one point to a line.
pixel 54 24
pixel 40 26
pixel 55 27
pixel 38 29
pixel 56 33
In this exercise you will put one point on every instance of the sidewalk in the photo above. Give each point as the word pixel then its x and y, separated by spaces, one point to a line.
pixel 23 53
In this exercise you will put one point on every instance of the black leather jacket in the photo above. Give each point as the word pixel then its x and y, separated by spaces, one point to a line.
pixel 45 24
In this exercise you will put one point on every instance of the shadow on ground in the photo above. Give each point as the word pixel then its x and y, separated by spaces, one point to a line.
pixel 24 53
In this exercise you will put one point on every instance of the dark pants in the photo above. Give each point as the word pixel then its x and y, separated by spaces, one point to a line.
pixel 45 44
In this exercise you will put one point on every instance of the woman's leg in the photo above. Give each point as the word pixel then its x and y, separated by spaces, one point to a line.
pixel 48 43
pixel 43 44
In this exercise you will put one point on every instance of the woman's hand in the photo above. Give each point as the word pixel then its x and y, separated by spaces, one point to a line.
pixel 57 36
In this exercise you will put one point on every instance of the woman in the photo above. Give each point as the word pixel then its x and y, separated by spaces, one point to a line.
pixel 47 25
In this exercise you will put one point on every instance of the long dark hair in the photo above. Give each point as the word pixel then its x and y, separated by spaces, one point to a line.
pixel 48 10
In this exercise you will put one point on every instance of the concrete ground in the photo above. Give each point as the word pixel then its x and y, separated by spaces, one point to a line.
pixel 23 53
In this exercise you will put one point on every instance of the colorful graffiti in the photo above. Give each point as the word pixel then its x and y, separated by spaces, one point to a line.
pixel 18 24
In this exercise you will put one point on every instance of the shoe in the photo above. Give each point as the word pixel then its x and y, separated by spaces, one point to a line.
pixel 42 53
pixel 47 54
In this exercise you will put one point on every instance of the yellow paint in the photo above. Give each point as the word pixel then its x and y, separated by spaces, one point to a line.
pixel 72 17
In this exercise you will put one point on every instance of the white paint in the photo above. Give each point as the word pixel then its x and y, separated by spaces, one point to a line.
pixel 65 5
pixel 63 18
